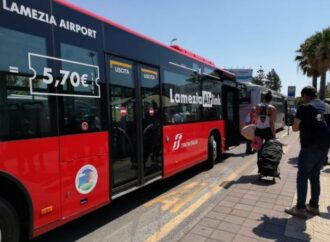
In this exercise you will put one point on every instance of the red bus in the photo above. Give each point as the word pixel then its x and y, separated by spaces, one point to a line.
pixel 91 110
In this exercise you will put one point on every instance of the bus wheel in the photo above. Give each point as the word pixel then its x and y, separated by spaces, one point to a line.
pixel 9 226
pixel 212 150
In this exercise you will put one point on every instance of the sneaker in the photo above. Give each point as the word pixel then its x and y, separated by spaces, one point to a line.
pixel 314 211
pixel 297 212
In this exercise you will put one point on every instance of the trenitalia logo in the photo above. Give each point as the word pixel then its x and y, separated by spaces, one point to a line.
pixel 208 99
pixel 177 142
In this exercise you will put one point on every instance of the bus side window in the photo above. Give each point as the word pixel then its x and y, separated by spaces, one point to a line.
pixel 14 118
pixel 27 119
pixel 24 115
pixel 80 114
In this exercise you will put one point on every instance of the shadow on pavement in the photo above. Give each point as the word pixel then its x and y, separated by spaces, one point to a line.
pixel 250 179
pixel 325 215
pixel 276 229
pixel 228 155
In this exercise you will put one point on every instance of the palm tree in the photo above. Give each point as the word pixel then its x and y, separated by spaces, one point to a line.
pixel 314 58
pixel 306 68
pixel 323 56
pixel 306 58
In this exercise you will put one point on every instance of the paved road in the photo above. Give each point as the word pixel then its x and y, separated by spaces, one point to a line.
pixel 165 210
pixel 253 210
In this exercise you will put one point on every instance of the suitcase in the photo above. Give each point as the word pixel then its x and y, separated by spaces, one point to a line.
pixel 269 158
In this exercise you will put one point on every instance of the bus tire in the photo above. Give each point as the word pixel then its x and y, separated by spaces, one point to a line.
pixel 212 152
pixel 9 225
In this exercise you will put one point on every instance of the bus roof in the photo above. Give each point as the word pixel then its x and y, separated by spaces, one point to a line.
pixel 175 48
pixel 262 88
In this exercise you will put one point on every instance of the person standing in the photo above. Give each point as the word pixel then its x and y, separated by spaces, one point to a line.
pixel 312 152
pixel 265 117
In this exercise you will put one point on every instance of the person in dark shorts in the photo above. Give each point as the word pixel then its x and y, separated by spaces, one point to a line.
pixel 265 117
pixel 265 124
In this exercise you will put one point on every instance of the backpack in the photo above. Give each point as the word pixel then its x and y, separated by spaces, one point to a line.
pixel 271 152
pixel 321 130
pixel 269 158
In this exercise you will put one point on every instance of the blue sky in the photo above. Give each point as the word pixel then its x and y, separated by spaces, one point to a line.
pixel 232 33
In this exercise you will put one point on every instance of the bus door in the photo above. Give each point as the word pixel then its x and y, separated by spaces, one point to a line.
pixel 135 131
pixel 150 126
pixel 231 115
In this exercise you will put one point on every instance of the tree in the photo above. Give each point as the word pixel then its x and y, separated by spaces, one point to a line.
pixel 314 58
pixel 305 53
pixel 273 81
pixel 260 78
pixel 323 58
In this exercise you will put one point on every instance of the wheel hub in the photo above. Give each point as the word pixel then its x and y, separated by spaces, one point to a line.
pixel 214 145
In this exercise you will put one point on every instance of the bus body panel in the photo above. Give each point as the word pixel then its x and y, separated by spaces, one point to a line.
pixel 135 34
pixel 47 227
pixel 187 144
pixel 67 174
pixel 34 162
pixel 84 168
